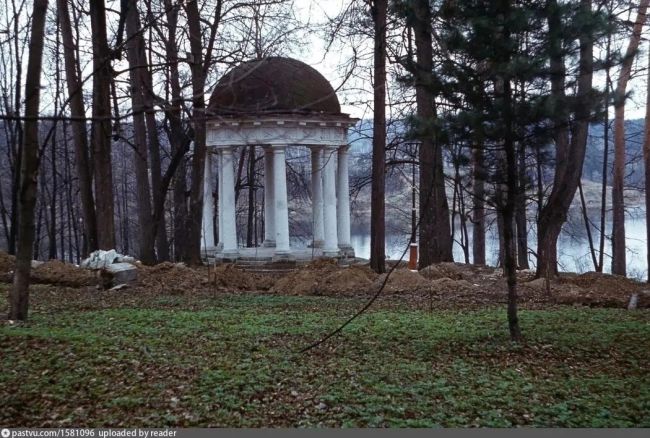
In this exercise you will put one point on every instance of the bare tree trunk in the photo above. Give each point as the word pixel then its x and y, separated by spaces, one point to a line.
pixel 16 134
pixel 80 135
pixel 520 213
pixel 251 198
pixel 101 126
pixel 569 155
pixel 159 192
pixel 603 190
pixel 19 299
pixel 137 64
pixel 378 188
pixel 51 253
pixel 646 162
pixel 478 198
pixel 435 235
pixel 510 180
pixel 585 216
pixel 39 226
pixel 464 216
pixel 458 205
pixel 193 244
pixel 240 171
pixel 618 182
pixel 180 212
pixel 177 137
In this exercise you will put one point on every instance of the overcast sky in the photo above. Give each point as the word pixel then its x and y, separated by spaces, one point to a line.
pixel 313 53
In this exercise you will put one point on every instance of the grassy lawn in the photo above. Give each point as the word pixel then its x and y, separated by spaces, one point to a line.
pixel 230 360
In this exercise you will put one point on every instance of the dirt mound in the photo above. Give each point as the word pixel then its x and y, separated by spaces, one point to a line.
pixel 301 282
pixel 403 280
pixel 322 265
pixel 432 272
pixel 229 277
pixel 590 289
pixel 575 295
pixel 441 270
pixel 179 279
pixel 53 272
pixel 537 285
pixel 605 283
pixel 174 278
pixel 450 286
pixel 324 277
pixel 63 274
pixel 456 271
pixel 346 281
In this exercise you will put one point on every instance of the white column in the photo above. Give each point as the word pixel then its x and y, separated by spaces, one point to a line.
pixel 229 235
pixel 207 225
pixel 331 246
pixel 282 246
pixel 220 198
pixel 269 203
pixel 343 202
pixel 317 196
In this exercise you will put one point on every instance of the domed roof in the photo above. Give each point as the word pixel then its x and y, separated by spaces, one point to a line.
pixel 273 85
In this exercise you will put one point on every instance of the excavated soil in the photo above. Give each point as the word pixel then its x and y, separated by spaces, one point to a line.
pixel 442 285
pixel 172 278
pixel 178 279
pixel 54 272
pixel 58 273
pixel 324 277
pixel 403 280
pixel 604 283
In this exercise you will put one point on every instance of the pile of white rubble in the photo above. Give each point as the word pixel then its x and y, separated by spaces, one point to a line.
pixel 119 269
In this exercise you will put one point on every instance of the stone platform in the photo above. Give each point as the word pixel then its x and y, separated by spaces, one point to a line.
pixel 266 255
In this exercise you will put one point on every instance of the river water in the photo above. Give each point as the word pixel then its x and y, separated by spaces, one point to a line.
pixel 573 246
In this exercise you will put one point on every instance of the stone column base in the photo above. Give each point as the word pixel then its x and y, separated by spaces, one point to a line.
pixel 283 257
pixel 228 256
pixel 331 254
pixel 347 251
pixel 268 243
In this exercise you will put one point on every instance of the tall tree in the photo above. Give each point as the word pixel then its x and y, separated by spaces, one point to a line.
pixel 198 73
pixel 504 99
pixel 101 126
pixel 19 302
pixel 569 153
pixel 137 69
pixel 80 137
pixel 618 182
pixel 379 11
pixel 12 57
pixel 646 162
pixel 435 235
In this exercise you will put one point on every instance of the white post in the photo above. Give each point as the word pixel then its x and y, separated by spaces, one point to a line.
pixel 230 250
pixel 282 245
pixel 317 196
pixel 269 203
pixel 207 225
pixel 220 198
pixel 343 202
pixel 331 246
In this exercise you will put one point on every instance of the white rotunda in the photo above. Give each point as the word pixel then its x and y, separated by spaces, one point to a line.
pixel 274 103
